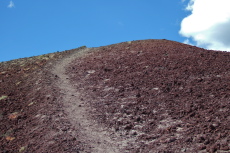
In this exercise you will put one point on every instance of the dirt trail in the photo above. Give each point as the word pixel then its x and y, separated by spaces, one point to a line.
pixel 141 96
pixel 96 138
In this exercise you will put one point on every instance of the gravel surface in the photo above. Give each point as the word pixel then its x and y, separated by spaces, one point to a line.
pixel 155 96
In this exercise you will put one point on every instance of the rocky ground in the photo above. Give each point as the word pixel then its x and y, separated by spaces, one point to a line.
pixel 155 96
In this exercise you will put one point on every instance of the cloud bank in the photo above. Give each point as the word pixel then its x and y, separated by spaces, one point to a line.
pixel 11 5
pixel 208 25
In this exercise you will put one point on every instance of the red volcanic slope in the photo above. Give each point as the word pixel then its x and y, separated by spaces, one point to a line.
pixel 166 95
pixel 160 96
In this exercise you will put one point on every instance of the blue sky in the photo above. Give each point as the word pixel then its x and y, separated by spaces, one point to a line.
pixel 35 27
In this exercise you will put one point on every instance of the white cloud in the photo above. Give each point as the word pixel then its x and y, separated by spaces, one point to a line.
pixel 190 5
pixel 208 24
pixel 187 41
pixel 11 5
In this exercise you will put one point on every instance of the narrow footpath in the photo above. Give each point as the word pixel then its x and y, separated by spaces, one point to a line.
pixel 96 138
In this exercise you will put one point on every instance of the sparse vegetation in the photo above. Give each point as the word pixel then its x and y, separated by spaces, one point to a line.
pixel 3 97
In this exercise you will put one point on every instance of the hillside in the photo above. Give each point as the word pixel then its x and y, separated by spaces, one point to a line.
pixel 138 96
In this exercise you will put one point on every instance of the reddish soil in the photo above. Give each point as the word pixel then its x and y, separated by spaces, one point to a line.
pixel 31 114
pixel 144 96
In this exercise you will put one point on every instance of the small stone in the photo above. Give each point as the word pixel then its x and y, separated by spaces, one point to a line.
pixel 138 95
pixel 224 148
pixel 14 115
pixel 8 138
pixel 188 140
pixel 129 127
pixel 212 127
pixel 212 149
pixel 171 140
pixel 91 71
pixel 74 139
pixel 138 119
pixel 183 150
pixel 207 142
pixel 133 132
pixel 30 103
pixel 201 139
pixel 22 149
pixel 211 96
pixel 202 147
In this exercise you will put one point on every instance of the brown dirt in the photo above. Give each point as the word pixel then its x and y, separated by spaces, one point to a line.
pixel 140 96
